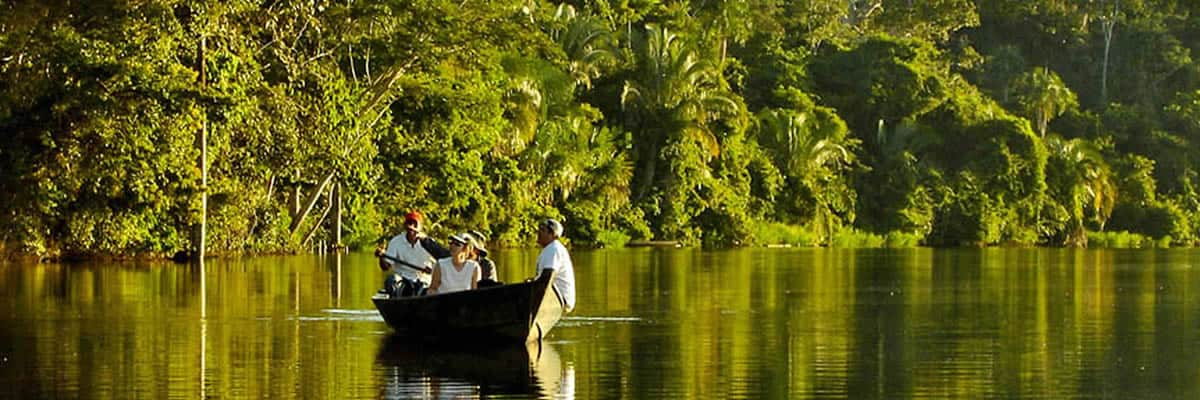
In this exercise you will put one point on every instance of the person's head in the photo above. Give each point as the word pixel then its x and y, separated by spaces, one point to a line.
pixel 412 224
pixel 548 230
pixel 462 245
pixel 480 242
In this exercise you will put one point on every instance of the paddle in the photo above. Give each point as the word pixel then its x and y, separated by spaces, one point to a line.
pixel 404 263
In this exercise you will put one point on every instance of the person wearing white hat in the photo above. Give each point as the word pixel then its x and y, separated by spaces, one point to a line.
pixel 488 274
pixel 554 257
pixel 459 271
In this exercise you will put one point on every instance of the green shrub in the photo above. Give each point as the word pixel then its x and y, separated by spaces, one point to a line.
pixel 898 239
pixel 968 216
pixel 1122 240
pixel 1158 220
pixel 775 233
pixel 611 239
pixel 852 238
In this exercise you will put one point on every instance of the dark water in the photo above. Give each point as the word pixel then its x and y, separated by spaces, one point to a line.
pixel 756 323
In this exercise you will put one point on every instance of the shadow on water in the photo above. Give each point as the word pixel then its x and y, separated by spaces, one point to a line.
pixel 421 370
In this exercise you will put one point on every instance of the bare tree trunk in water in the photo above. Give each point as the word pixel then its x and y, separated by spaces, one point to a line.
pixel 203 236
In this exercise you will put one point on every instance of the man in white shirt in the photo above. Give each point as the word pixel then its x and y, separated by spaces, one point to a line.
pixel 554 257
pixel 410 258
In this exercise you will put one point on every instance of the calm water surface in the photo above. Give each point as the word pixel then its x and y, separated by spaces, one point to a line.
pixel 753 323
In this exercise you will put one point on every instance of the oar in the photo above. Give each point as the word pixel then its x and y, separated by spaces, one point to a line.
pixel 405 263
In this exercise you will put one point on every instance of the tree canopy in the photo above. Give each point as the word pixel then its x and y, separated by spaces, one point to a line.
pixel 949 122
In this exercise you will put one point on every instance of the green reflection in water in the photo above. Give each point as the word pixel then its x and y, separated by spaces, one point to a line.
pixel 651 323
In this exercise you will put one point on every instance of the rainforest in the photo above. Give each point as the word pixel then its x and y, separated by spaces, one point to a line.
pixel 128 124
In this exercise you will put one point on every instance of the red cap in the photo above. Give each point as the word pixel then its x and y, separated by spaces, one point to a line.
pixel 414 216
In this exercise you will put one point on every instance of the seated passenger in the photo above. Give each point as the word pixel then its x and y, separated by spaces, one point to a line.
pixel 408 259
pixel 488 273
pixel 457 272
pixel 555 259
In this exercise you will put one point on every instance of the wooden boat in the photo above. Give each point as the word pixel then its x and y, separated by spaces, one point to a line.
pixel 514 313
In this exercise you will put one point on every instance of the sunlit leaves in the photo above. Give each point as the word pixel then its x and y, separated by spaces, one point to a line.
pixel 813 150
pixel 880 78
pixel 1081 181
pixel 1041 95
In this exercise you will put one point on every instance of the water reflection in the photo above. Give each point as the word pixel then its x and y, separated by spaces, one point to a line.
pixel 679 323
pixel 203 328
pixel 415 370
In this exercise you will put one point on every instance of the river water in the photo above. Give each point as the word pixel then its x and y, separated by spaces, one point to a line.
pixel 650 323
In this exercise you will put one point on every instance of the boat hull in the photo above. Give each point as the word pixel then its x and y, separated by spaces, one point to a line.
pixel 513 313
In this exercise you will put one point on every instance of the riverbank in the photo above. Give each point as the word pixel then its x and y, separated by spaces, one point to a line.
pixel 774 237
pixel 784 235
pixel 12 252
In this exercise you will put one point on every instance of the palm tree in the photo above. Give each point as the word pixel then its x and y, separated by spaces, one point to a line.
pixel 523 104
pixel 602 172
pixel 1042 96
pixel 539 91
pixel 803 145
pixel 1080 180
pixel 579 164
pixel 585 41
pixel 673 96
pixel 814 150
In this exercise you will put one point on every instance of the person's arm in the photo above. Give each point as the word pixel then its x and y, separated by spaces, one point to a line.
pixel 434 248
pixel 475 278
pixel 436 281
pixel 489 268
pixel 384 264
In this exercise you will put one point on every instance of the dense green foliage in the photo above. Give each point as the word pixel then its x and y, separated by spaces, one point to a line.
pixel 818 122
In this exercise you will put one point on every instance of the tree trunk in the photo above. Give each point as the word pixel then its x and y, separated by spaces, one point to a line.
pixel 646 180
pixel 294 203
pixel 312 201
pixel 203 236
pixel 350 55
pixel 312 231
pixel 270 188
pixel 724 51
pixel 1108 34
pixel 337 217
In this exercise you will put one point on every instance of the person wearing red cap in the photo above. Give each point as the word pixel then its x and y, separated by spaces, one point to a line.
pixel 409 258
